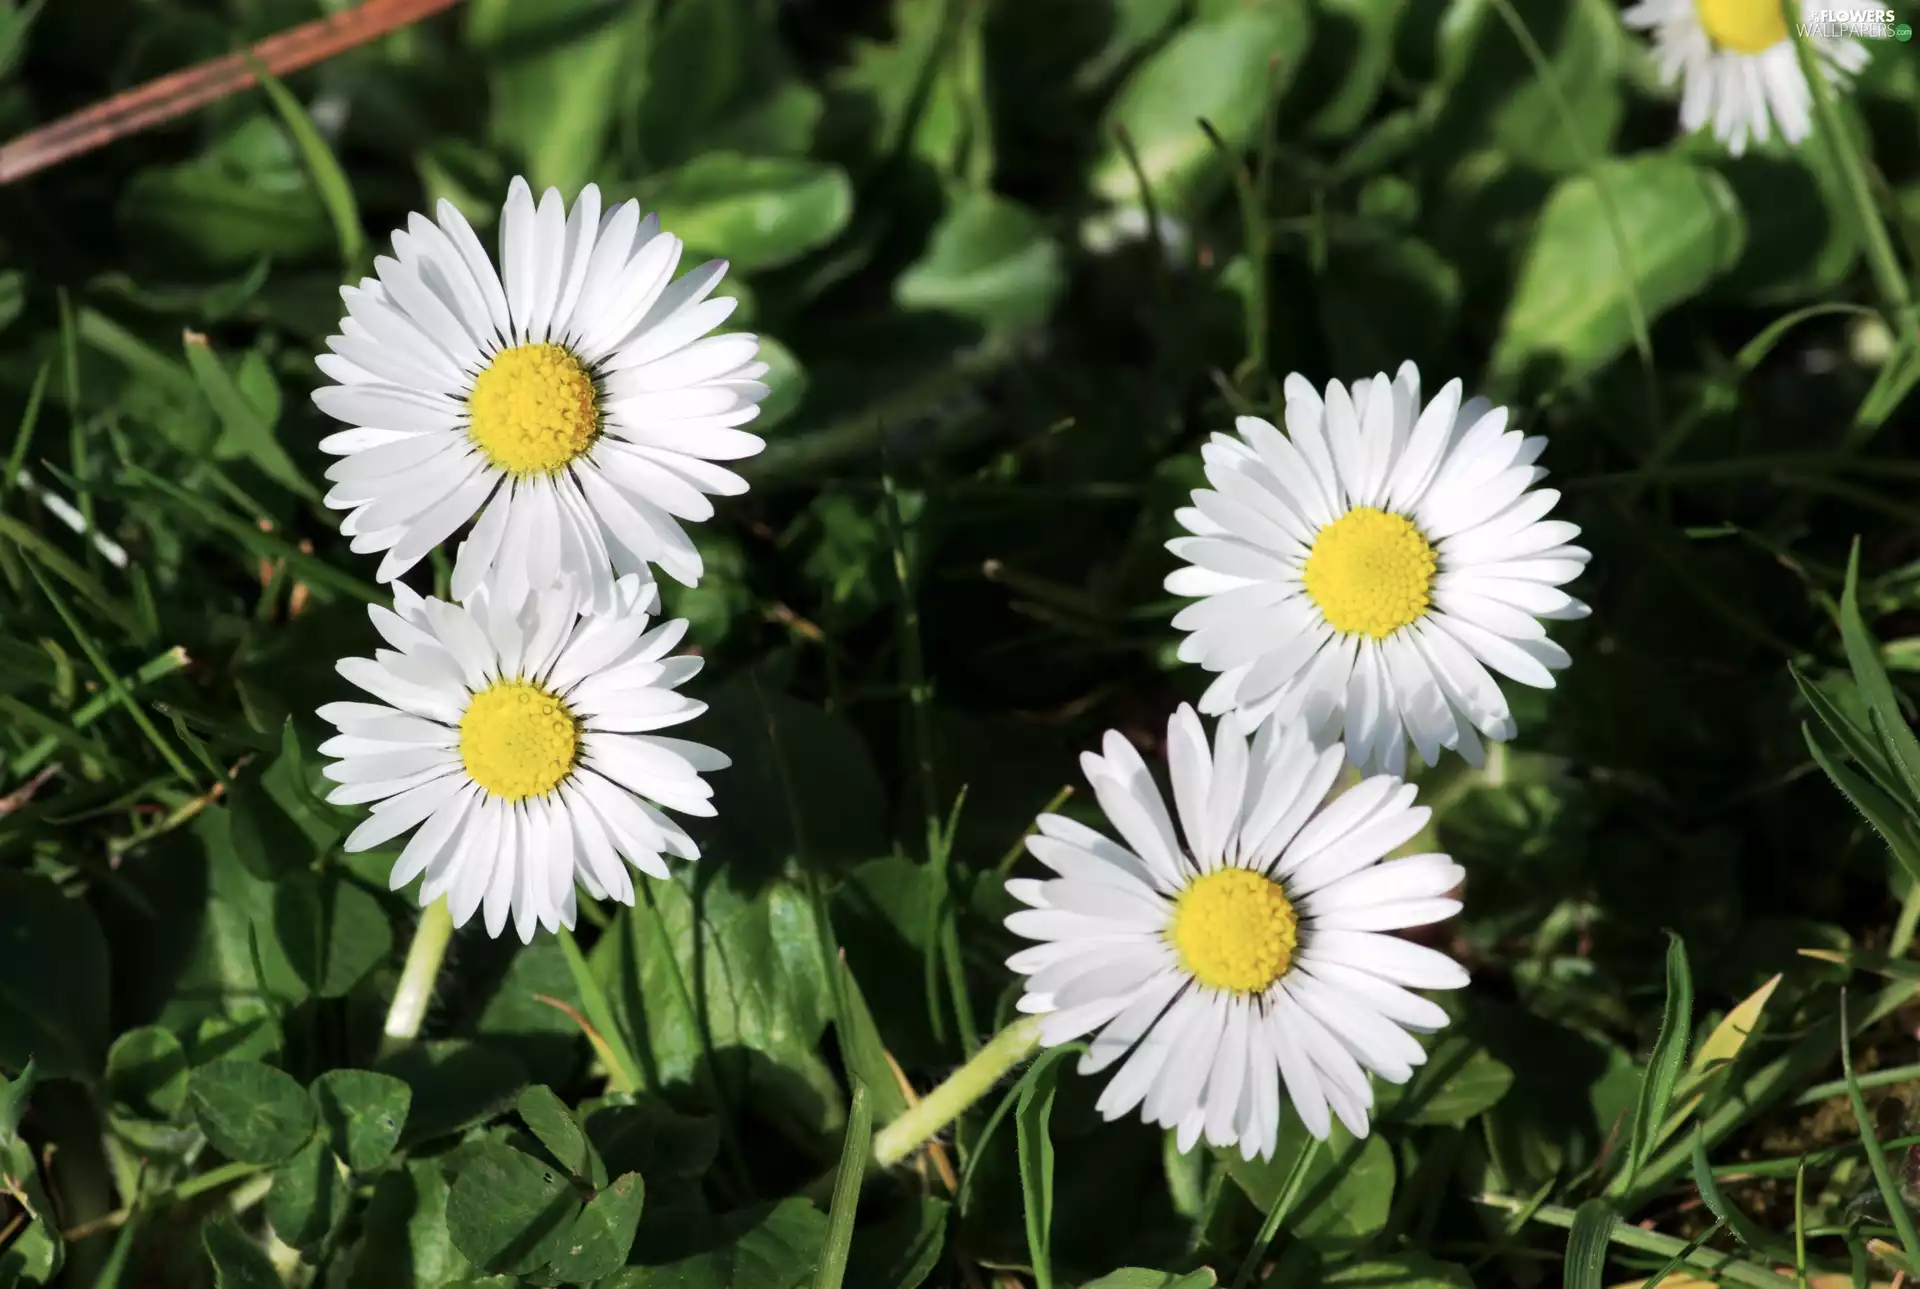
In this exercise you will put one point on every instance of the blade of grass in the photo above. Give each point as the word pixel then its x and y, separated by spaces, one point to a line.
pixel 1881 811
pixel 1742 1226
pixel 23 437
pixel 1876 1157
pixel 1031 1118
pixel 122 694
pixel 1713 1265
pixel 79 459
pixel 1283 1202
pixel 620 1072
pixel 1863 655
pixel 336 194
pixel 1666 1062
pixel 832 1267
pixel 1587 1244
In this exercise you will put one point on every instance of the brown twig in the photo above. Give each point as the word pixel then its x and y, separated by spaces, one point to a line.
pixel 177 93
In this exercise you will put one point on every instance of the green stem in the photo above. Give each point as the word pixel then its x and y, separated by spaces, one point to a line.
pixel 940 1107
pixel 410 1000
pixel 1282 1205
pixel 1724 1267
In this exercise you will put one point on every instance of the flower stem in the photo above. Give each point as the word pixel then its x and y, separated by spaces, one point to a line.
pixel 950 1100
pixel 429 946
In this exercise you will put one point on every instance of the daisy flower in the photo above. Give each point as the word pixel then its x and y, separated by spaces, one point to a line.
pixel 1362 571
pixel 1736 61
pixel 518 744
pixel 1248 958
pixel 572 399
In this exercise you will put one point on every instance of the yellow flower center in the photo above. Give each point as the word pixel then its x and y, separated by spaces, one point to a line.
pixel 1235 930
pixel 533 409
pixel 1744 26
pixel 518 741
pixel 1371 572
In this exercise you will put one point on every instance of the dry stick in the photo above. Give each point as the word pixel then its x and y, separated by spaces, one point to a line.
pixel 177 93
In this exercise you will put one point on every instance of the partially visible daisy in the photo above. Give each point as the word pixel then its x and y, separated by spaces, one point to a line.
pixel 1736 62
pixel 518 743
pixel 1361 572
pixel 572 399
pixel 1244 955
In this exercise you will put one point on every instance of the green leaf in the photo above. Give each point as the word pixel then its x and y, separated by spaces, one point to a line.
pixel 786 382
pixel 775 1248
pixel 1879 810
pixel 251 1113
pixel 14 1096
pixel 455 1083
pixel 509 1213
pixel 855 1153
pixel 603 1233
pixel 147 1073
pixel 1141 1278
pixel 547 1116
pixel 223 218
pixel 309 1197
pixel 754 964
pixel 990 261
pixel 1404 1271
pixel 1348 63
pixel 759 212
pixel 333 932
pixel 1491 93
pixel 265 839
pixel 1732 1214
pixel 556 70
pixel 1347 1192
pixel 862 1050
pixel 53 980
pixel 649 1139
pixel 1587 1244
pixel 323 168
pixel 1460 1080
pixel 405 1225
pixel 1668 1060
pixel 1221 70
pixel 238 1260
pixel 1035 1145
pixel 1859 743
pixel 246 431
pixel 1802 239
pixel 1570 313
pixel 363 1114
pixel 1870 674
pixel 902 1251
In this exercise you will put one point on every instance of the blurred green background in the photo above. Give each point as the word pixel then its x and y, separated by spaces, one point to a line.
pixel 1012 261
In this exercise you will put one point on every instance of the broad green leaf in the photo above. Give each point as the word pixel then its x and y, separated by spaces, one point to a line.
pixel 1802 239
pixel 712 69
pixel 774 1248
pixel 1570 313
pixel 909 87
pixel 759 212
pixel 147 1073
pixel 223 220
pixel 53 980
pixel 556 72
pixel 509 1213
pixel 455 1083
pixel 989 260
pixel 1348 1189
pixel 309 1196
pixel 603 1233
pixel 1031 1116
pixel 265 839
pixel 548 1118
pixel 1223 71
pixel 862 1050
pixel 647 1138
pixel 333 932
pixel 786 382
pixel 405 1225
pixel 363 1114
pixel 1141 1278
pixel 239 1262
pixel 1405 1271
pixel 15 1094
pixel 250 1112
pixel 756 964
pixel 1587 1244
pixel 1668 1059
pixel 1460 1080
pixel 901 1251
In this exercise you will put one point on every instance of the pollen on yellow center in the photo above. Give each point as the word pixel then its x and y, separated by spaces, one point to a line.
pixel 533 409
pixel 1235 930
pixel 518 741
pixel 1744 26
pixel 1371 572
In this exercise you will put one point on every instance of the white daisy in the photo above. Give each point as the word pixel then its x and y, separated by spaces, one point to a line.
pixel 518 743
pixel 1362 571
pixel 573 399
pixel 1251 957
pixel 1736 61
